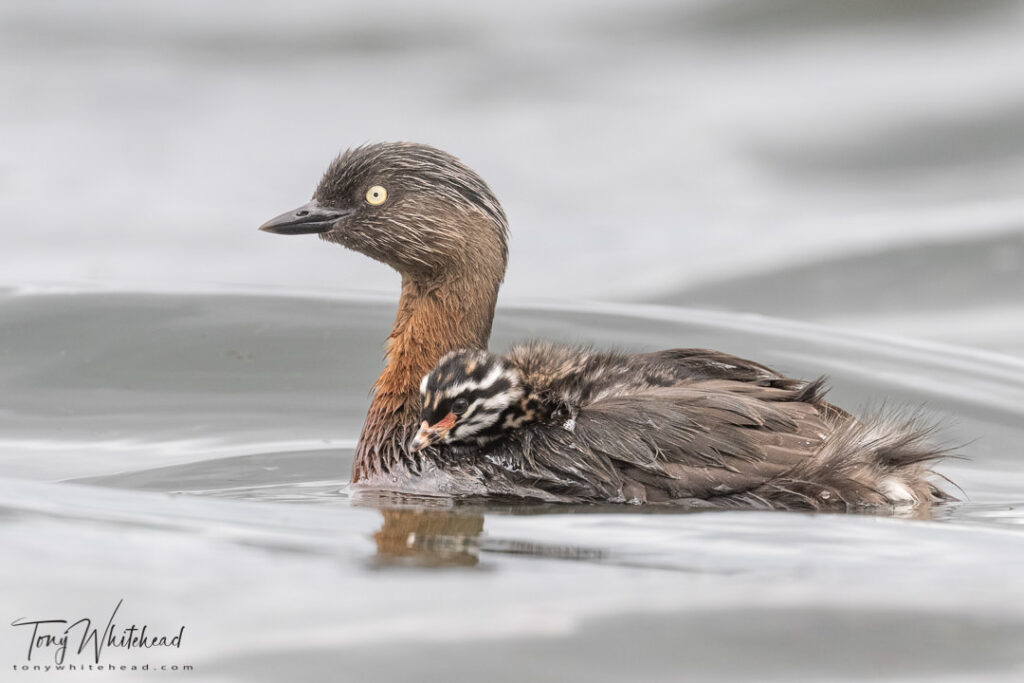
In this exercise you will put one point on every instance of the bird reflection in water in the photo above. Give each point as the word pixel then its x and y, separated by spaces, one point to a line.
pixel 429 538
pixel 452 538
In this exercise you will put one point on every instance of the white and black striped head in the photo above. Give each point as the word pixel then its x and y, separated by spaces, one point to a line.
pixel 411 206
pixel 470 398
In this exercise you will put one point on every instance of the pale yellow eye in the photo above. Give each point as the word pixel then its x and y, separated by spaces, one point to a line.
pixel 376 195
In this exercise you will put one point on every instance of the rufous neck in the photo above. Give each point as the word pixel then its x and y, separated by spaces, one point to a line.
pixel 435 316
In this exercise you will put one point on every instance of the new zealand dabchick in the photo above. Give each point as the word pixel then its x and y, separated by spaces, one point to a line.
pixel 564 424
pixel 684 424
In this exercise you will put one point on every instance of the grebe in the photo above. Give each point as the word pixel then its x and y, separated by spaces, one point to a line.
pixel 647 428
pixel 685 425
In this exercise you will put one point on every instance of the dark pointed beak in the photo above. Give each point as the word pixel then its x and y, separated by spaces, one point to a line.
pixel 308 218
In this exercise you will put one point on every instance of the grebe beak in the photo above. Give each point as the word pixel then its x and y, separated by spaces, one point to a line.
pixel 308 218
pixel 430 435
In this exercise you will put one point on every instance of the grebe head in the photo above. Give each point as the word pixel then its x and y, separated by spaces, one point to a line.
pixel 470 397
pixel 413 207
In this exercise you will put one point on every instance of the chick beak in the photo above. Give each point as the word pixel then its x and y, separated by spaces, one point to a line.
pixel 430 435
pixel 308 218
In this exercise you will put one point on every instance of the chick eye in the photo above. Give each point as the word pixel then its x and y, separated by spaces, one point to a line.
pixel 376 195
pixel 459 406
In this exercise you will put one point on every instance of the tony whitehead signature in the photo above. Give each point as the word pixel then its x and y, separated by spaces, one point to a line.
pixel 54 636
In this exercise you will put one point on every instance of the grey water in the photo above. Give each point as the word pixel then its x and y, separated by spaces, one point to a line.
pixel 190 452
pixel 828 187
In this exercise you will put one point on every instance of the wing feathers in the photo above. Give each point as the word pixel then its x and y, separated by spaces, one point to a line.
pixel 730 444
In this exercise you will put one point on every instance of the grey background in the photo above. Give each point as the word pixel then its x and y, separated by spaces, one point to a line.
pixel 179 403
pixel 859 163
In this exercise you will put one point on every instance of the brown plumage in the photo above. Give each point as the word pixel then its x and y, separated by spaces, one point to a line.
pixel 701 427
pixel 685 425
pixel 442 229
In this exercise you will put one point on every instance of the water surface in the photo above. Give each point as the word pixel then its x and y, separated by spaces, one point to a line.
pixel 853 165
pixel 190 454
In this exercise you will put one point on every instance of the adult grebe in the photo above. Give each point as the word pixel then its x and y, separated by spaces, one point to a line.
pixel 685 425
